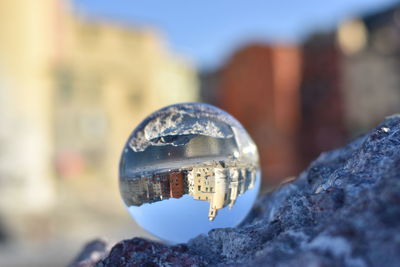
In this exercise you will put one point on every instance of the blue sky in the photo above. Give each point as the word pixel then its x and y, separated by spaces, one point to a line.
pixel 207 32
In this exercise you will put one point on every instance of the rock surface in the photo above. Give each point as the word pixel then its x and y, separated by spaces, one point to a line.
pixel 344 210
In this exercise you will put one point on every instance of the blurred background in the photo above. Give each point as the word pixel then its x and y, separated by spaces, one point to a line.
pixel 77 76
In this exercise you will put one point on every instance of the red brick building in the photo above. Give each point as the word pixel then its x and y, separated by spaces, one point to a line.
pixel 176 184
pixel 260 87
pixel 298 101
pixel 323 115
pixel 289 99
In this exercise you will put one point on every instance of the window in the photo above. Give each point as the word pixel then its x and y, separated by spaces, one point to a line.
pixel 136 97
pixel 65 82
pixel 199 187
pixel 90 35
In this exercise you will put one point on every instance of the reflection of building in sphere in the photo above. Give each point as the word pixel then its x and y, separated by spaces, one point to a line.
pixel 234 183
pixel 176 184
pixel 220 195
pixel 208 184
pixel 216 183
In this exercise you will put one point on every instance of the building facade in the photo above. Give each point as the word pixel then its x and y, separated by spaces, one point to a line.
pixel 73 89
pixel 259 85
pixel 370 69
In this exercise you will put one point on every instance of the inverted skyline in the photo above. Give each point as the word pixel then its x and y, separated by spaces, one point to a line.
pixel 215 183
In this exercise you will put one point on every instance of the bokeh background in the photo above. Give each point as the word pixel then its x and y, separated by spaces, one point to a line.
pixel 77 76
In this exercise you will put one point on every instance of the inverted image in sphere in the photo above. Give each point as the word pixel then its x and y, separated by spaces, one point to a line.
pixel 187 169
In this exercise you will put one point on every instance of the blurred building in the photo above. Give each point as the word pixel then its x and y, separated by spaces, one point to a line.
pixel 370 67
pixel 322 102
pixel 350 81
pixel 289 98
pixel 298 101
pixel 219 186
pixel 71 91
pixel 259 86
pixel 27 53
pixel 108 79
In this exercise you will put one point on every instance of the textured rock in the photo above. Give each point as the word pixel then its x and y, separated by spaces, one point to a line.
pixel 344 210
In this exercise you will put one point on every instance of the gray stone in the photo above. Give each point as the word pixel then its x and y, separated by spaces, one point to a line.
pixel 344 210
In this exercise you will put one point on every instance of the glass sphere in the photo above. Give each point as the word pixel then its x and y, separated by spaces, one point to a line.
pixel 187 169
